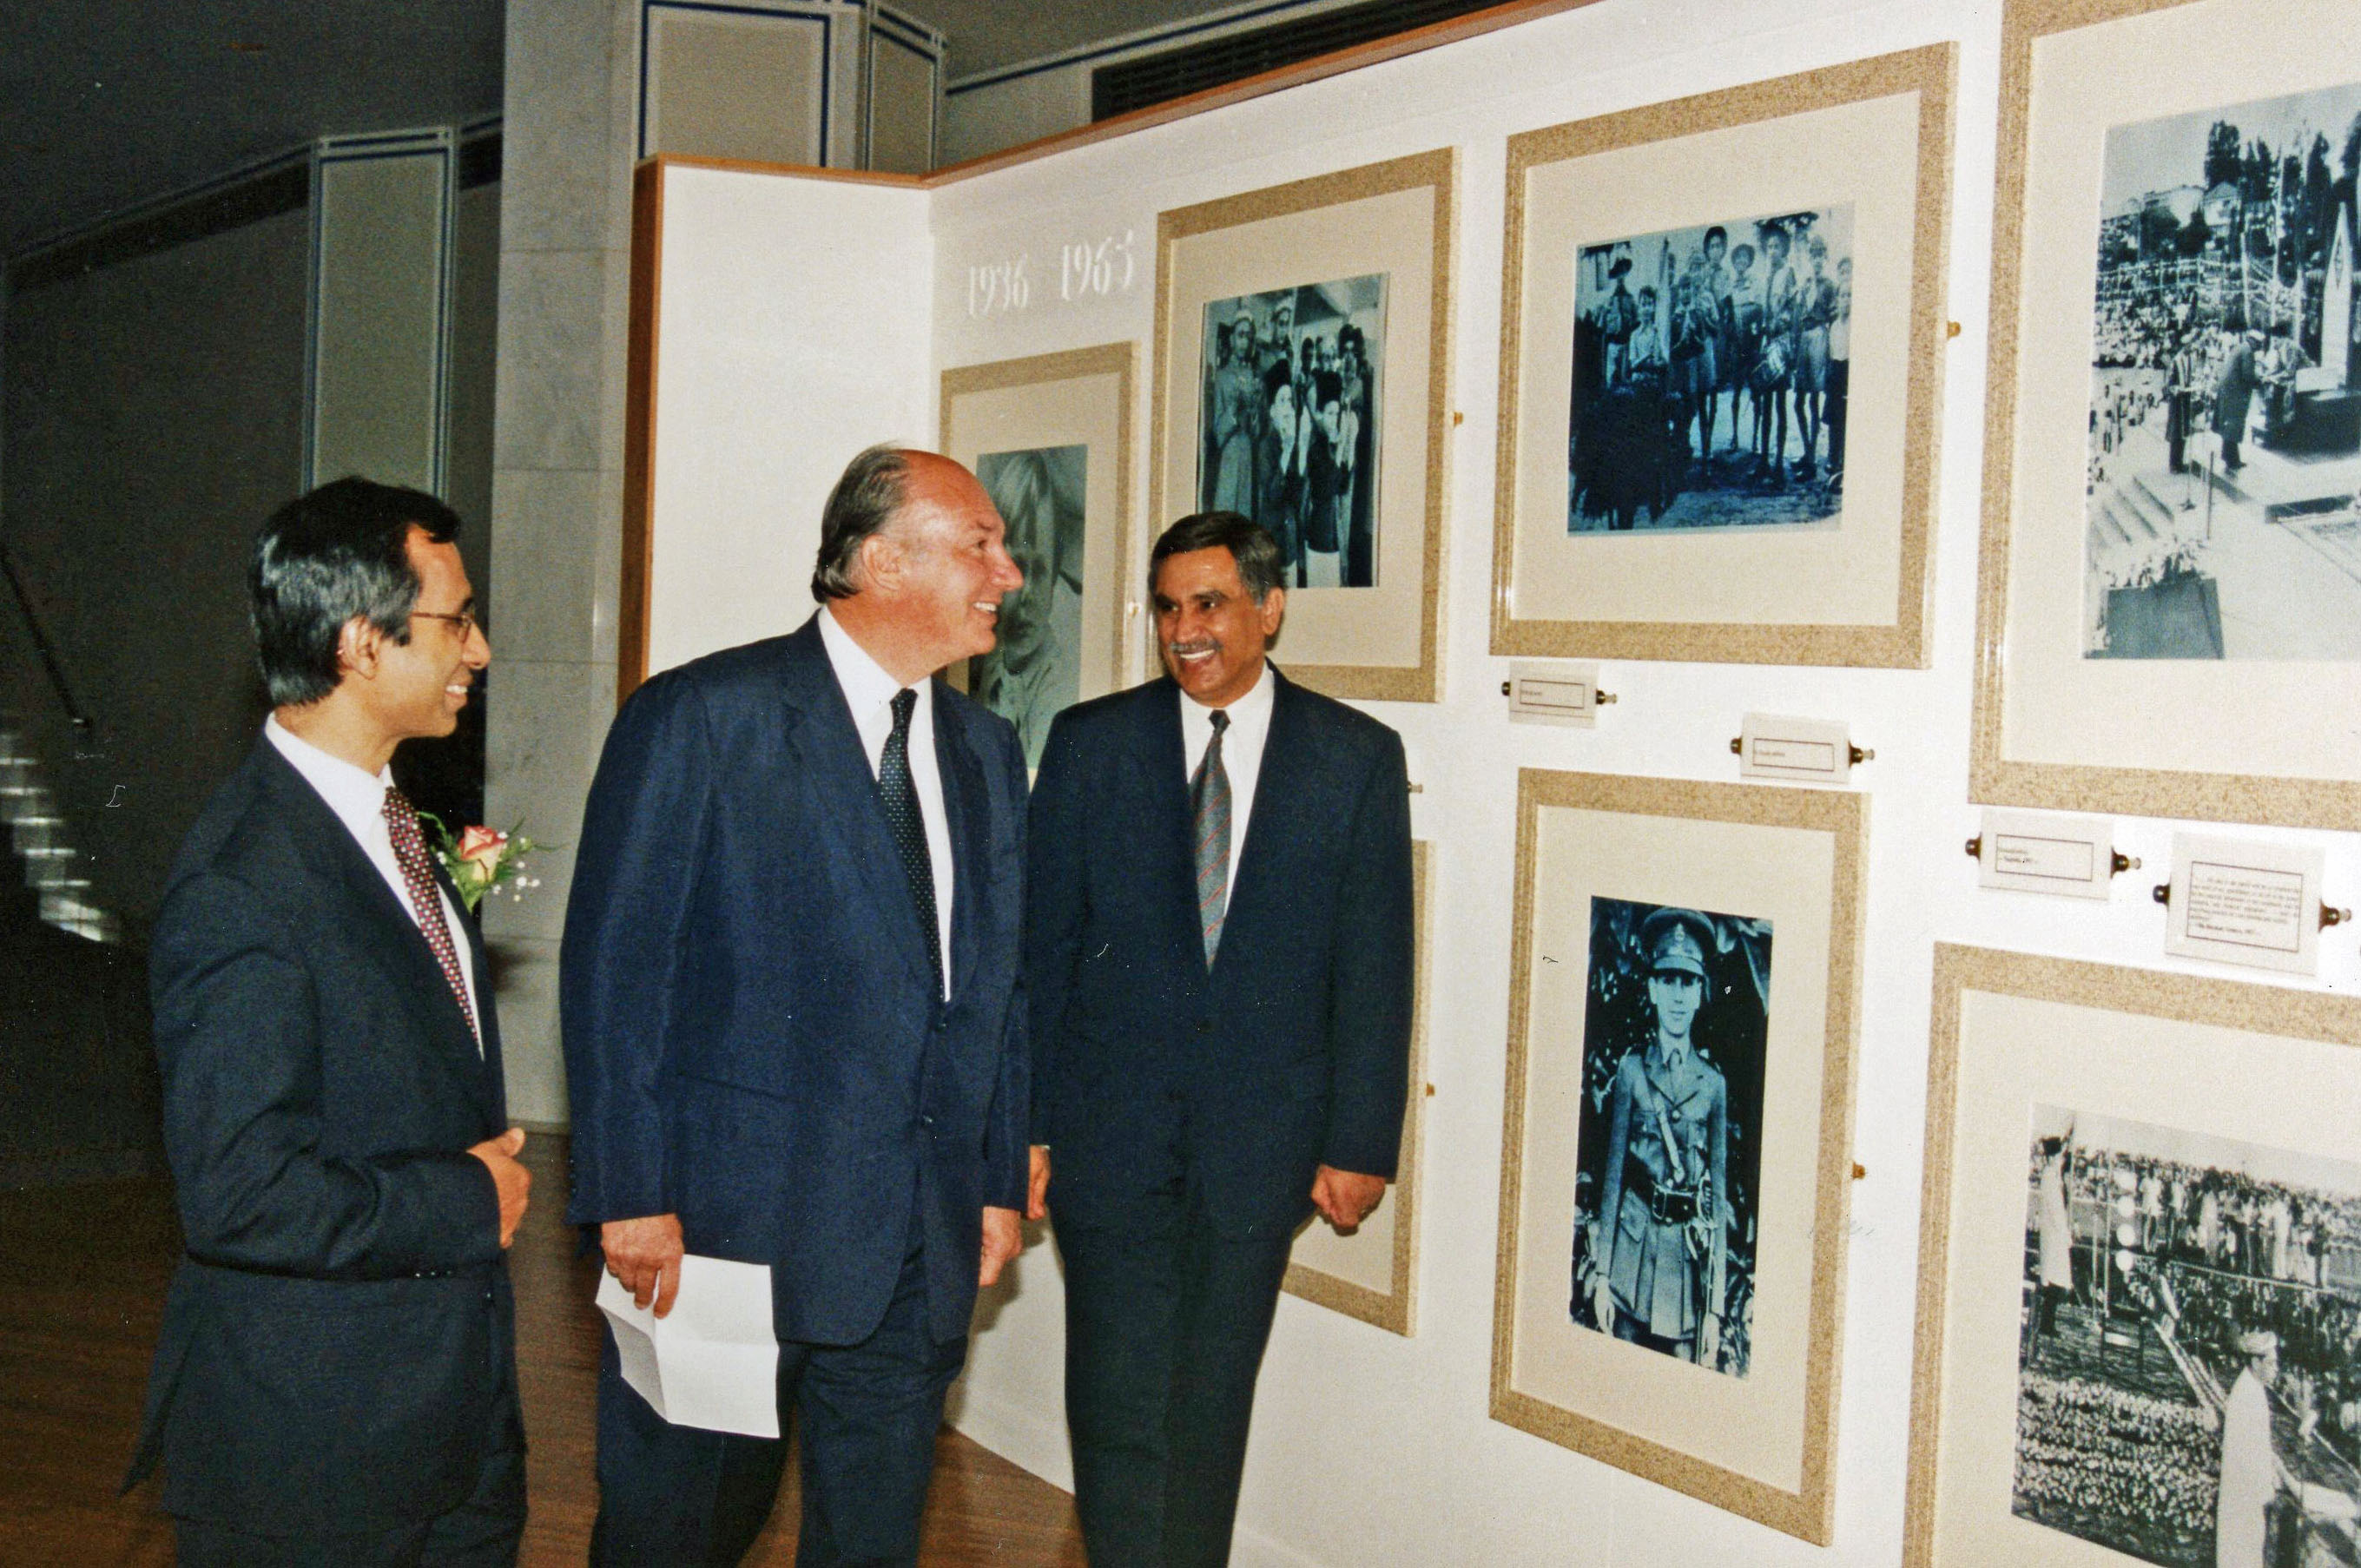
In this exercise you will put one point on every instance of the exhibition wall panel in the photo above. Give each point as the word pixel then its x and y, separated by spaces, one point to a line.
pixel 788 335
pixel 1370 1447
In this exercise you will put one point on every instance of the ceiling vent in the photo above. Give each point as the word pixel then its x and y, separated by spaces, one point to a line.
pixel 1232 57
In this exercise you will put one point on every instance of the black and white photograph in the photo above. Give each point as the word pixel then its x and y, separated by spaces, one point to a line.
pixel 1711 367
pixel 1675 1025
pixel 1034 671
pixel 1288 422
pixel 2188 1382
pixel 2224 449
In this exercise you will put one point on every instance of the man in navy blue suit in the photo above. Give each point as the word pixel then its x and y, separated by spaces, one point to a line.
pixel 335 1381
pixel 793 1026
pixel 1218 957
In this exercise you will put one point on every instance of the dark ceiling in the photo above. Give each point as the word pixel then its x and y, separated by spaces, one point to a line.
pixel 106 103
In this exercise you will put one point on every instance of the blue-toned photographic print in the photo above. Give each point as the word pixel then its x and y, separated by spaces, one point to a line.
pixel 1711 367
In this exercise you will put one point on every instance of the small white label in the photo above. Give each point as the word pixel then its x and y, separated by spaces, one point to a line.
pixel 1554 694
pixel 1810 751
pixel 2033 852
pixel 2240 902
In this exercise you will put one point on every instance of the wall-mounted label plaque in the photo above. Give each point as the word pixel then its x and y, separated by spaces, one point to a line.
pixel 2237 901
pixel 1801 751
pixel 2032 852
pixel 1554 694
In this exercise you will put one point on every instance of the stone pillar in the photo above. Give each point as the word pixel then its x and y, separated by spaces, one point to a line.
pixel 571 133
pixel 557 480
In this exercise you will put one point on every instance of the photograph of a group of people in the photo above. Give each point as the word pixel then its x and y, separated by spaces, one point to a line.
pixel 1668 1151
pixel 1034 671
pixel 2226 387
pixel 1288 429
pixel 2190 1363
pixel 1710 371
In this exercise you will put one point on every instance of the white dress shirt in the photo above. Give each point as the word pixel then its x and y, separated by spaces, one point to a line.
pixel 868 692
pixel 357 799
pixel 1242 745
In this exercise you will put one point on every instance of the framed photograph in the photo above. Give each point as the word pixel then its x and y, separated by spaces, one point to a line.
pixel 2171 556
pixel 1676 1170
pixel 1050 438
pixel 1695 293
pixel 1302 358
pixel 2139 1297
pixel 1372 1273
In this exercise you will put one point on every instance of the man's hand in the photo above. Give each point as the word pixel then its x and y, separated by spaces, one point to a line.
pixel 1003 1238
pixel 1343 1199
pixel 1037 1185
pixel 643 1255
pixel 512 1181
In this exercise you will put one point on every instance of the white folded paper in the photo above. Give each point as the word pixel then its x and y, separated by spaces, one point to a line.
pixel 713 1362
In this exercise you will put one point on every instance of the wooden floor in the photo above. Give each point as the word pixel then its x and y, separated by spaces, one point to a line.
pixel 85 1272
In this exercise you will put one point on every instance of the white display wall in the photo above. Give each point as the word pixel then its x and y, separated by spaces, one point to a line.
pixel 1369 1448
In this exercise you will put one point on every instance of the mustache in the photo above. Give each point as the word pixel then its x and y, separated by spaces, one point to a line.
pixel 1200 645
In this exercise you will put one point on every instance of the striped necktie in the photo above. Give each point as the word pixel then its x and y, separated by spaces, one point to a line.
pixel 1209 803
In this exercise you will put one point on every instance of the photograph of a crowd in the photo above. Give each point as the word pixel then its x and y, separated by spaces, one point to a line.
pixel 1710 371
pixel 2190 1362
pixel 2224 449
pixel 1034 671
pixel 1289 421
pixel 1675 1025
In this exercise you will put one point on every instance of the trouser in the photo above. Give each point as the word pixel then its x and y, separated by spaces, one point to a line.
pixel 1166 1323
pixel 481 1532
pixel 1840 386
pixel 869 1413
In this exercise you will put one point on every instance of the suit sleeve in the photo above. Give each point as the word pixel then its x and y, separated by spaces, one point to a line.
pixel 1007 1162
pixel 243 1118
pixel 1057 906
pixel 643 831
pixel 1373 975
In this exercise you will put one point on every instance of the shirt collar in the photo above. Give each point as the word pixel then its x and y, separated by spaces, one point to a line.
pixel 355 795
pixel 866 684
pixel 1251 710
pixel 1671 1057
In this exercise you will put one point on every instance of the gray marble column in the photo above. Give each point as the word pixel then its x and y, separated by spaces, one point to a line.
pixel 557 480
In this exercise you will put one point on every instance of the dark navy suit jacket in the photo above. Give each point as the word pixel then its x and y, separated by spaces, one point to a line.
pixel 755 1039
pixel 337 1337
pixel 1291 1050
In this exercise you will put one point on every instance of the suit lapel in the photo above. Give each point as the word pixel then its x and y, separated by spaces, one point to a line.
pixel 966 812
pixel 387 930
pixel 828 750
pixel 1160 775
pixel 1280 786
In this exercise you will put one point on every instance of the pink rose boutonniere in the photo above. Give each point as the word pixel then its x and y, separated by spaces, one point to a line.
pixel 483 860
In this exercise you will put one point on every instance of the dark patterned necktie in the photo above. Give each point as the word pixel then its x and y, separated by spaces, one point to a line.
pixel 900 798
pixel 426 901
pixel 1209 803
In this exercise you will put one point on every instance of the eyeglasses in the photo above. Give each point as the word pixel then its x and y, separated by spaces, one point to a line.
pixel 467 622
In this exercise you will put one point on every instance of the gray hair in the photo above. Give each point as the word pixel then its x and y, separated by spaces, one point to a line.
pixel 1260 566
pixel 870 495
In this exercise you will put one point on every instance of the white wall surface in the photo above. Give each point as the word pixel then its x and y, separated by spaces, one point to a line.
pixel 1370 1449
pixel 792 333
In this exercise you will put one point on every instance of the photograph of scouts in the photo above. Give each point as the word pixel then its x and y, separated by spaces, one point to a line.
pixel 1710 370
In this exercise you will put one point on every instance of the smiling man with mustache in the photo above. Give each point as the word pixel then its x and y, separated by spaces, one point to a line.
pixel 1218 958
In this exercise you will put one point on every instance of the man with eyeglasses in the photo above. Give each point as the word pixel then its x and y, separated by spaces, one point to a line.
pixel 335 1381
